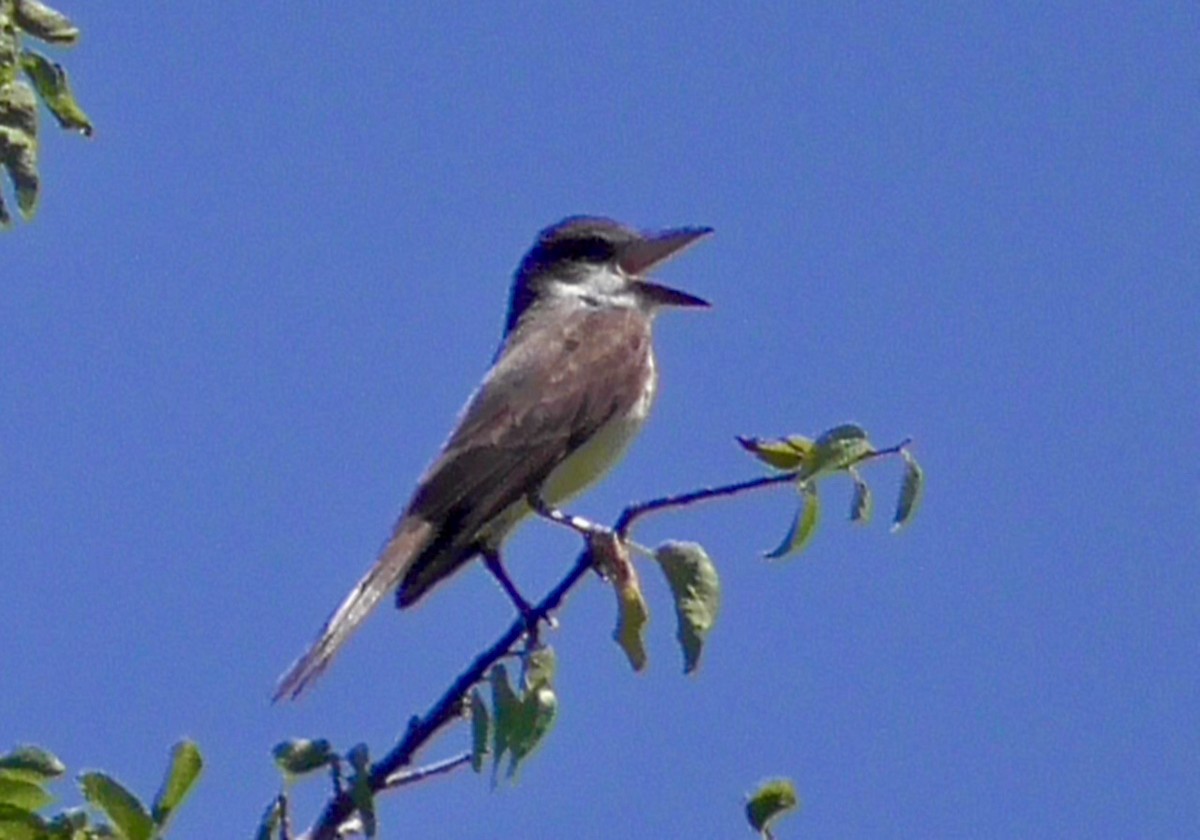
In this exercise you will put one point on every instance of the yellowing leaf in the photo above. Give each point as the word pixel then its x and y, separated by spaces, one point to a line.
pixel 787 453
pixel 804 525
pixel 696 589
pixel 632 617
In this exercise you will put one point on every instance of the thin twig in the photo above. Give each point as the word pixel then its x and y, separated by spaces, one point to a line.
pixel 635 512
pixel 438 768
pixel 389 771
pixel 422 729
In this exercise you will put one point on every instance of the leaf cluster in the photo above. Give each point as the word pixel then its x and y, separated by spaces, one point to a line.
pixel 112 811
pixel 45 81
pixel 842 449
pixel 511 715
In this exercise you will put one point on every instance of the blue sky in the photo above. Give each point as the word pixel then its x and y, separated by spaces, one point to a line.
pixel 249 309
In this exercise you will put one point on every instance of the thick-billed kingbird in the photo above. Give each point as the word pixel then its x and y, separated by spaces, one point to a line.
pixel 569 389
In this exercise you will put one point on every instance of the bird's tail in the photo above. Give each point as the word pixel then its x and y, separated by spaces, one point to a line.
pixel 411 536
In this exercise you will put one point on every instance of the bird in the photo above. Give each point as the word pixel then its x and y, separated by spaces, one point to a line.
pixel 570 386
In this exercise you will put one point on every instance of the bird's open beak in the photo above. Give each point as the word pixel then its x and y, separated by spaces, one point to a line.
pixel 641 256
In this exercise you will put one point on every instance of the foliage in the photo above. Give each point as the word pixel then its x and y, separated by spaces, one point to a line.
pixel 840 449
pixel 47 82
pixel 772 800
pixel 509 718
pixel 26 771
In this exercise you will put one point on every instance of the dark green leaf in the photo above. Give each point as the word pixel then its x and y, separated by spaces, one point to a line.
pixel 505 708
pixel 32 763
pixel 23 793
pixel 18 154
pixel 20 823
pixel 360 787
pixel 860 503
pixel 804 525
pixel 124 809
pixel 481 730
pixel 696 589
pixel 772 799
pixel 182 773
pixel 18 108
pixel 50 81
pixel 300 755
pixel 67 825
pixel 45 24
pixel 910 491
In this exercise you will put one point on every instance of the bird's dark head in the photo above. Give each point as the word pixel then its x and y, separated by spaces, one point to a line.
pixel 595 261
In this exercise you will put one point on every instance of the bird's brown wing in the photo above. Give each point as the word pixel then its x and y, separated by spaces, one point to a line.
pixel 551 391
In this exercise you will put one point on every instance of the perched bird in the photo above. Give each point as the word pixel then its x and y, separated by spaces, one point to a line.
pixel 570 387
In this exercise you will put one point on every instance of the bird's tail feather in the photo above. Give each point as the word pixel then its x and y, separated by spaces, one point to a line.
pixel 411 536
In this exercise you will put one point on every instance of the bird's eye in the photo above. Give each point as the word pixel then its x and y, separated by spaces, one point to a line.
pixel 592 249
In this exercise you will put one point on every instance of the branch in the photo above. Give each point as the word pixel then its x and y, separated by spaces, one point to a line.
pixel 385 773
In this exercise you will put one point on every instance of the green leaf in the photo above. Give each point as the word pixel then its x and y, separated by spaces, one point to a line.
pixel 696 588
pixel 50 81
pixel 360 787
pixel 66 825
pixel 534 719
pixel 505 706
pixel 911 488
pixel 20 823
pixel 124 809
pixel 772 800
pixel 786 453
pixel 837 449
pixel 45 24
pixel 540 665
pixel 632 617
pixel 481 730
pixel 23 793
pixel 182 773
pixel 860 503
pixel 18 108
pixel 804 525
pixel 300 755
pixel 32 763
pixel 18 154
